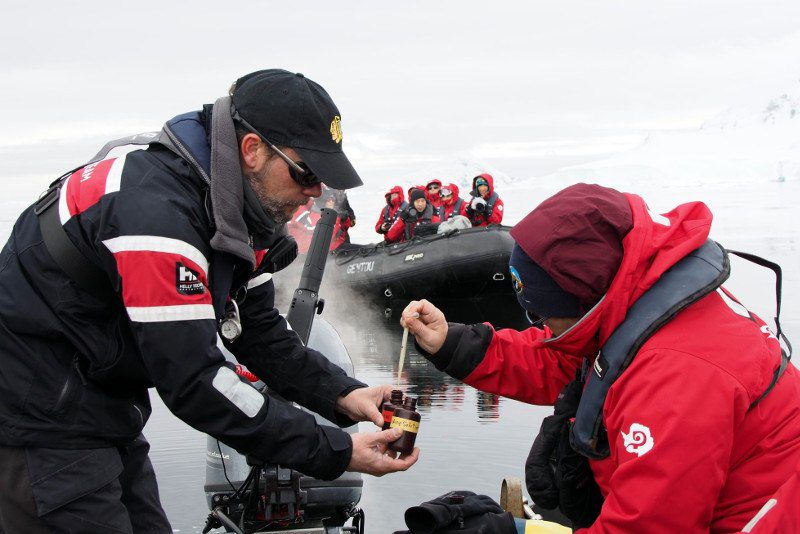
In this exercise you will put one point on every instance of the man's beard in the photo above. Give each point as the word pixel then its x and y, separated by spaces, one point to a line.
pixel 280 211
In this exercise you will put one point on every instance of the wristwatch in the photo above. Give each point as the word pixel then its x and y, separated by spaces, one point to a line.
pixel 230 327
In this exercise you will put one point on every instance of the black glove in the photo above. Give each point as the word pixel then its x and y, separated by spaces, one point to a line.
pixel 459 511
pixel 539 473
pixel 556 475
pixel 579 496
pixel 540 466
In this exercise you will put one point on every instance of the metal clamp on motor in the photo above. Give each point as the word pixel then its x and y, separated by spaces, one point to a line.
pixel 284 500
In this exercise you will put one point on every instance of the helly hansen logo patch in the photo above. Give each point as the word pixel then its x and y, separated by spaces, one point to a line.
pixel 186 281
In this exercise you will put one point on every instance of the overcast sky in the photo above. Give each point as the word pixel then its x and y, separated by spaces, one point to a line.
pixel 514 84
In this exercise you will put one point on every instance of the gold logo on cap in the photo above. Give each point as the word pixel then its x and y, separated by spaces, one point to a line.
pixel 336 129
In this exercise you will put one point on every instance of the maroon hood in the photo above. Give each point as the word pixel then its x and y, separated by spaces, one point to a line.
pixel 598 243
pixel 576 237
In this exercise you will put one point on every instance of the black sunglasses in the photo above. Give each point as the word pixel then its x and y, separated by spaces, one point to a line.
pixel 433 186
pixel 298 170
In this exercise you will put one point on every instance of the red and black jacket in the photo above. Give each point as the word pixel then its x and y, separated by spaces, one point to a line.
pixel 455 206
pixel 403 228
pixel 76 370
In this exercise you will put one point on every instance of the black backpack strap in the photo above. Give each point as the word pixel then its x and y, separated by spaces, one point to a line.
pixel 86 274
pixel 785 357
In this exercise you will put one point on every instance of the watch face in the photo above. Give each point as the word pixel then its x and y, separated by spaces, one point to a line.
pixel 230 330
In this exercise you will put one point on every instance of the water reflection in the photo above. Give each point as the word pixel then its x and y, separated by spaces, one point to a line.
pixel 488 406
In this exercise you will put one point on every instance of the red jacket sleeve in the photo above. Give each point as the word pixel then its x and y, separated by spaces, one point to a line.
pixel 397 231
pixel 779 514
pixel 506 362
pixel 671 420
pixel 518 366
pixel 497 212
pixel 380 222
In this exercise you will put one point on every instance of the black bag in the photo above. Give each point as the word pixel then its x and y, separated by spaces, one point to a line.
pixel 556 475
pixel 462 512
pixel 426 229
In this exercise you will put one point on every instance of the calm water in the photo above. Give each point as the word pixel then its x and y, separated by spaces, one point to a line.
pixel 471 440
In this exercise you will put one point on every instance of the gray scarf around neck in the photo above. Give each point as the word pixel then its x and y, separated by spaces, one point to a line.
pixel 232 199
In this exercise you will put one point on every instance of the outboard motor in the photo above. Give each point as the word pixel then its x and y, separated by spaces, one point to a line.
pixel 246 496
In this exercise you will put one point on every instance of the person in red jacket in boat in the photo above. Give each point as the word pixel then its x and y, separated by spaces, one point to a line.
pixel 699 422
pixel 304 221
pixel 432 189
pixel 485 206
pixel 419 213
pixel 301 227
pixel 395 204
pixel 451 204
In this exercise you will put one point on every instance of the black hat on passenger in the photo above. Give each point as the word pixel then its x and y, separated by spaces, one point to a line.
pixel 292 111
pixel 417 194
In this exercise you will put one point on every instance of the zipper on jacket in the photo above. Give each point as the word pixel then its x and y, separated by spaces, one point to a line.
pixel 186 154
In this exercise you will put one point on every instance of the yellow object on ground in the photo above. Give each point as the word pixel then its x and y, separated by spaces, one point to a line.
pixel 539 526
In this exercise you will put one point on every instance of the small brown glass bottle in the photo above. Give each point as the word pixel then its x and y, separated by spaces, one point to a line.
pixel 406 418
pixel 387 408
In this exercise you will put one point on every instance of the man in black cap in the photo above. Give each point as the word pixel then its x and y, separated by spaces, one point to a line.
pixel 119 279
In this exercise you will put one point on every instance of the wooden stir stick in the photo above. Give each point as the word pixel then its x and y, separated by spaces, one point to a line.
pixel 403 347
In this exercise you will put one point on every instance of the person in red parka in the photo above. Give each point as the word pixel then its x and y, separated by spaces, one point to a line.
pixel 340 227
pixel 395 204
pixel 432 189
pixel 693 444
pixel 301 226
pixel 451 204
pixel 305 220
pixel 419 212
pixel 485 206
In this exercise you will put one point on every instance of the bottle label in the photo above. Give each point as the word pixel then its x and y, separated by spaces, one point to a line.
pixel 405 424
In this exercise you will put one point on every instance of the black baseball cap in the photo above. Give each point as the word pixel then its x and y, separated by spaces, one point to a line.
pixel 292 111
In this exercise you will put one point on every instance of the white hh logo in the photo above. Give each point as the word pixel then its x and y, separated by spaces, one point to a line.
pixel 638 439
pixel 185 275
pixel 186 281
